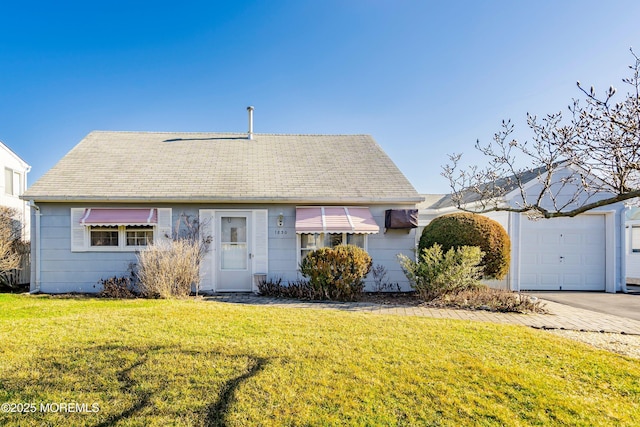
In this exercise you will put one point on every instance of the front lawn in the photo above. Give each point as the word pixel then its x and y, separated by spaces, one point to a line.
pixel 192 362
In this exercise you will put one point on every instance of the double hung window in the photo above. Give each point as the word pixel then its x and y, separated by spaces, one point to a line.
pixel 118 229
pixel 121 236
pixel 12 182
pixel 311 242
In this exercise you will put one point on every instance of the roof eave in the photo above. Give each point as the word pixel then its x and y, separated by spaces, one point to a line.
pixel 226 200
pixel 24 164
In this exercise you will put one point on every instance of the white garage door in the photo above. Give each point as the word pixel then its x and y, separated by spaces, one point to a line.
pixel 563 254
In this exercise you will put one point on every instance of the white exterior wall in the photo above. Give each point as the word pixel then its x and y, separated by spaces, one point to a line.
pixel 8 159
pixel 64 271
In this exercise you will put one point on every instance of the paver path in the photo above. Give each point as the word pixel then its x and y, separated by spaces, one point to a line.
pixel 560 317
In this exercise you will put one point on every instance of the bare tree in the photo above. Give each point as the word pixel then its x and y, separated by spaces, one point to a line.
pixel 589 160
pixel 10 239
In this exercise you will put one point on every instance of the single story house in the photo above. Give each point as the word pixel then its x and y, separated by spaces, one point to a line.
pixel 262 201
pixel 582 253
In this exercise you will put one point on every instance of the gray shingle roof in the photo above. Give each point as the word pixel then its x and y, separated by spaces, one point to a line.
pixel 432 201
pixel 507 184
pixel 222 167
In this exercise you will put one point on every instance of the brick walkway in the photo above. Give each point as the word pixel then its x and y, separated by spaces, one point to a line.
pixel 560 317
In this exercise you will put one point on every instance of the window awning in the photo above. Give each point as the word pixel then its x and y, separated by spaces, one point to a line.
pixel 99 216
pixel 335 219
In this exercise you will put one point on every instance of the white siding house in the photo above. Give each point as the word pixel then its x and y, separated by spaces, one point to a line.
pixel 14 183
pixel 583 253
pixel 262 202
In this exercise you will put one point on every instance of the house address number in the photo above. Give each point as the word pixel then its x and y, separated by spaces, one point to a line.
pixel 280 233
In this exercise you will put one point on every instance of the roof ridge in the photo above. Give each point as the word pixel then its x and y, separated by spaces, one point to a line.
pixel 227 133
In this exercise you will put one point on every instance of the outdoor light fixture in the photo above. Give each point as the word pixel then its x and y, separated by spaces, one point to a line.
pixel 280 219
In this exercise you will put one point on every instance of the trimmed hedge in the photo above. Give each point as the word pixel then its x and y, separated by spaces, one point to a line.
pixel 467 229
pixel 337 273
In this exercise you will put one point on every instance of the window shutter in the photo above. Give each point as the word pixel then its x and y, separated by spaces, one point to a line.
pixel 260 260
pixel 79 231
pixel 207 238
pixel 165 231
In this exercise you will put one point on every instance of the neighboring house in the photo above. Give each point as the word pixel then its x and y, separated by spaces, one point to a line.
pixel 262 201
pixel 14 184
pixel 579 253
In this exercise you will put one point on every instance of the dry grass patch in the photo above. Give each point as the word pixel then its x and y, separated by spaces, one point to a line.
pixel 485 298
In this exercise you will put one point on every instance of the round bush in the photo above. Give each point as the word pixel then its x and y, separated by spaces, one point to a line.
pixel 467 229
pixel 337 273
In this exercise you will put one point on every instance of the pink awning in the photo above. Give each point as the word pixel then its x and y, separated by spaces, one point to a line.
pixel 335 219
pixel 99 216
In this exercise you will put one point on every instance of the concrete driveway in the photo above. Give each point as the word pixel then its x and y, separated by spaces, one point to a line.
pixel 622 305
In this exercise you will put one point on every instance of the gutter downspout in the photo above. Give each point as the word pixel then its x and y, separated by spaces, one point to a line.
pixel 623 247
pixel 35 252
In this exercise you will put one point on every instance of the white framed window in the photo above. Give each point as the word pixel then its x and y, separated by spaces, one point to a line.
pixel 106 235
pixel 139 235
pixel 311 242
pixel 120 237
pixel 635 239
pixel 12 182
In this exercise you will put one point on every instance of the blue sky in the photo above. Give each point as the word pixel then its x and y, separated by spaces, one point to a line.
pixel 424 78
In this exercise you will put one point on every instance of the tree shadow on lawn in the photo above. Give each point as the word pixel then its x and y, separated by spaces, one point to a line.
pixel 215 413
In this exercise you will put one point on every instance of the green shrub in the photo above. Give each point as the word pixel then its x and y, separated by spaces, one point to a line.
pixel 437 273
pixel 337 273
pixel 169 269
pixel 466 229
pixel 300 289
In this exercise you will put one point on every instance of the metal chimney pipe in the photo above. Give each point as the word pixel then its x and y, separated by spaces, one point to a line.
pixel 250 110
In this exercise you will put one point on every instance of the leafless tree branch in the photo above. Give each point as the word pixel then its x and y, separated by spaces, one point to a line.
pixel 588 160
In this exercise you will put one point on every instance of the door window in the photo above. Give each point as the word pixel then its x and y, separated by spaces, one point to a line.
pixel 233 243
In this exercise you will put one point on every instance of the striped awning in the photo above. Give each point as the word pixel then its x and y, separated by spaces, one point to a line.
pixel 335 219
pixel 103 216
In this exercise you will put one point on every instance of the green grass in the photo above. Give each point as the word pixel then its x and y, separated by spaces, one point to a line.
pixel 158 362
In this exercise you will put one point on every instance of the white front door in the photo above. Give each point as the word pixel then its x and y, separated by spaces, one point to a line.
pixel 236 249
pixel 233 251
